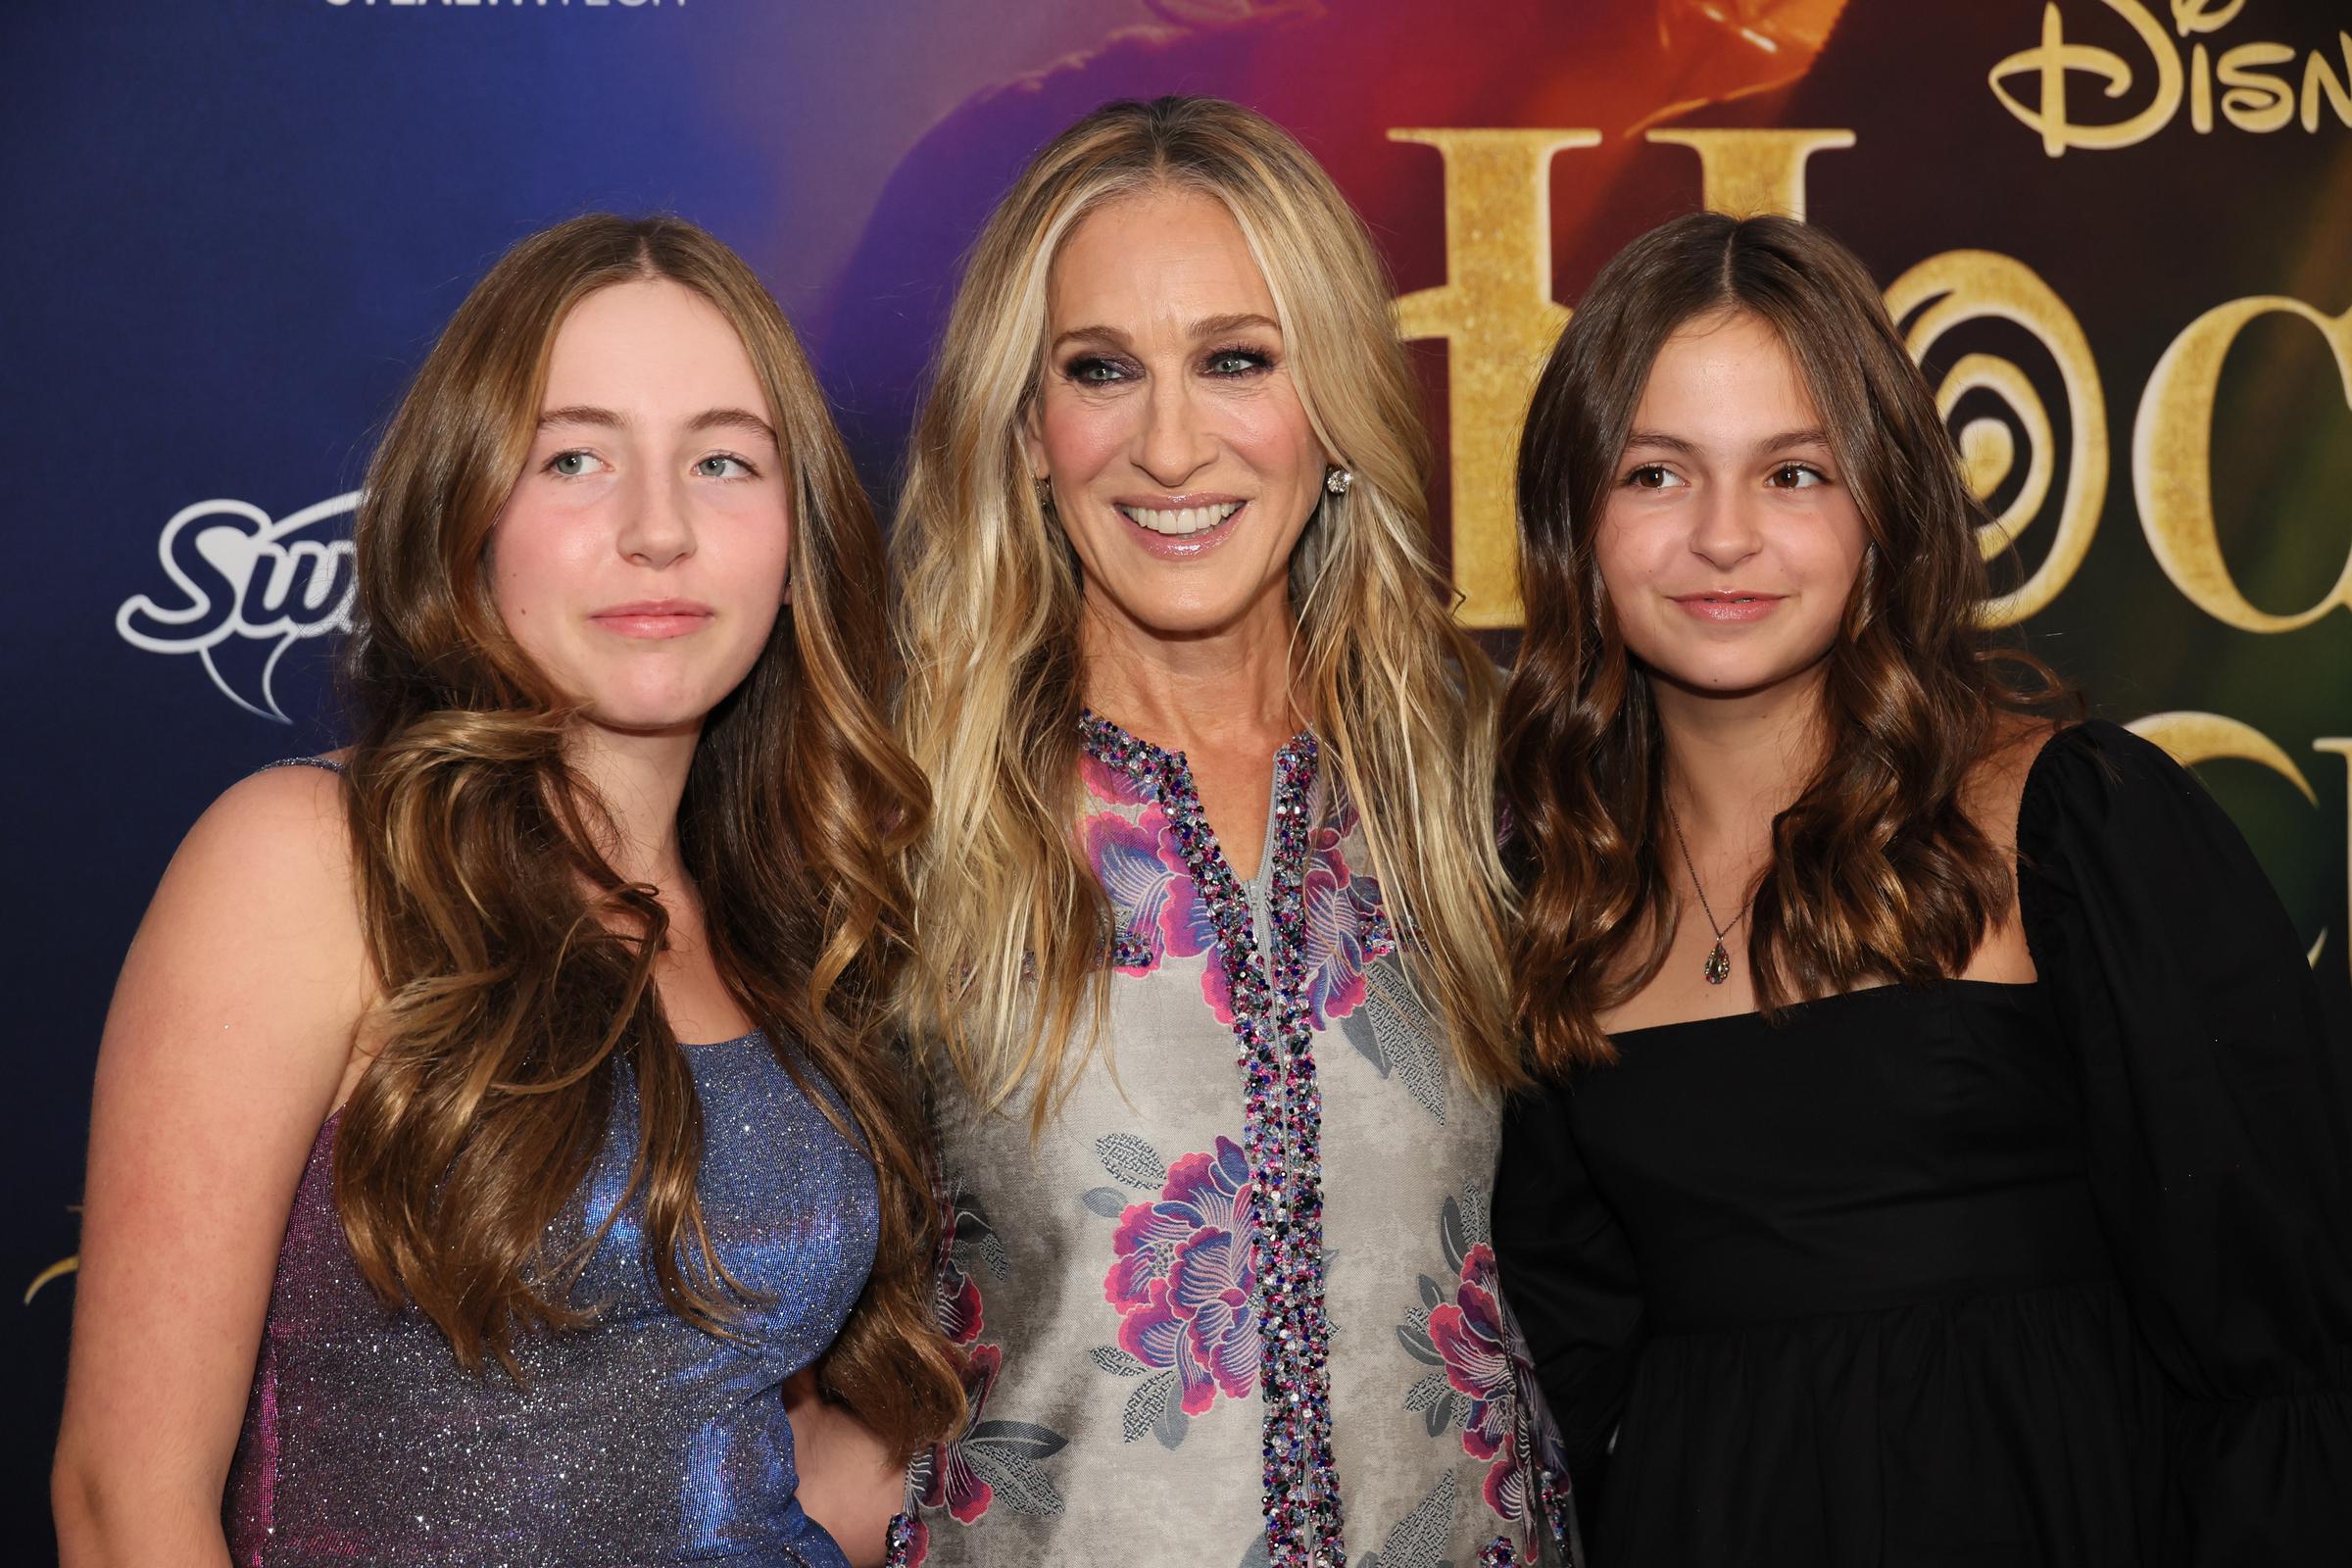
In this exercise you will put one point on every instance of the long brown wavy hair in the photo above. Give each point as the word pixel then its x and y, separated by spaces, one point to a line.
pixel 1011 917
pixel 1877 871
pixel 515 964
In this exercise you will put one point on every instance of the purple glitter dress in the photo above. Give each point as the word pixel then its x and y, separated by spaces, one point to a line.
pixel 637 1442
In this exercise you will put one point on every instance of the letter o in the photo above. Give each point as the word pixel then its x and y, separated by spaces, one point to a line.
pixel 2172 461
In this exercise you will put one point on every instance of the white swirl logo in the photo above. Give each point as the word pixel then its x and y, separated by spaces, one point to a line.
pixel 235 575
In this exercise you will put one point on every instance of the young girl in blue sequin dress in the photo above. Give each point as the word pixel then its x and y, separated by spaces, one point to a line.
pixel 492 1116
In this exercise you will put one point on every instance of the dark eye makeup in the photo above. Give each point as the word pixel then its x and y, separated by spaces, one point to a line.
pixel 1230 362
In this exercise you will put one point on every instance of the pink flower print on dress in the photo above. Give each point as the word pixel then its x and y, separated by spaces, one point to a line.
pixel 1112 786
pixel 989 1462
pixel 1155 910
pixel 953 1482
pixel 1483 1381
pixel 1183 1283
pixel 1347 930
pixel 1468 1334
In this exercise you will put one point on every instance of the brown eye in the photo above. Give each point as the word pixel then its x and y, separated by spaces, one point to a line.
pixel 1651 476
pixel 1798 476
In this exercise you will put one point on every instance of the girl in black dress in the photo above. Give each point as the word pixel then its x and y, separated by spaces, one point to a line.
pixel 1947 1161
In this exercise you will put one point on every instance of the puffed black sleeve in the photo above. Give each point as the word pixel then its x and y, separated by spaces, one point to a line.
pixel 2215 1098
pixel 1568 1276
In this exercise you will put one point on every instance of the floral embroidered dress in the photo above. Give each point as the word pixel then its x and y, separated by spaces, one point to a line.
pixel 1237 1304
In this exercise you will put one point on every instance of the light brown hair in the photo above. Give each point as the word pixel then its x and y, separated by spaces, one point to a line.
pixel 1877 873
pixel 1009 919
pixel 515 964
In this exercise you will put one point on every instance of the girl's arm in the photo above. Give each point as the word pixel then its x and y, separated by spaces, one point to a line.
pixel 849 1481
pixel 229 1043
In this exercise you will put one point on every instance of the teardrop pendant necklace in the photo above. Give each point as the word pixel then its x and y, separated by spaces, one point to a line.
pixel 1719 962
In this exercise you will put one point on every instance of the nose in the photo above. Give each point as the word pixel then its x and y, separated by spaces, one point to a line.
pixel 1174 444
pixel 1723 530
pixel 657 528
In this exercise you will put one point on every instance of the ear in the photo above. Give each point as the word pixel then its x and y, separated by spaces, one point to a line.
pixel 1033 441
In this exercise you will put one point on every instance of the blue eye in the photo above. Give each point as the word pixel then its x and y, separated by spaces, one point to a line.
pixel 1236 362
pixel 573 464
pixel 1090 370
pixel 725 466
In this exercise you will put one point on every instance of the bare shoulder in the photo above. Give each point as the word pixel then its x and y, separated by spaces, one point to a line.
pixel 278 836
pixel 1996 782
pixel 256 924
pixel 1991 794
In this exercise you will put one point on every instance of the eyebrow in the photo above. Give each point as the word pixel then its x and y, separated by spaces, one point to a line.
pixel 612 420
pixel 1206 327
pixel 1783 442
pixel 731 419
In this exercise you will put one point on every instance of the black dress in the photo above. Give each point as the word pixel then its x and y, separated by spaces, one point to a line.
pixel 1977 1274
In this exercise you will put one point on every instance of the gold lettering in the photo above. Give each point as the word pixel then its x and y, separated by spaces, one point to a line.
pixel 54 1271
pixel 2317 78
pixel 1747 173
pixel 1970 285
pixel 2193 17
pixel 2172 461
pixel 1498 317
pixel 2200 92
pixel 2192 738
pixel 2341 746
pixel 2050 63
pixel 2255 102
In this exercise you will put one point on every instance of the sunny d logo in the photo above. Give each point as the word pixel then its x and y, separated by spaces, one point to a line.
pixel 239 578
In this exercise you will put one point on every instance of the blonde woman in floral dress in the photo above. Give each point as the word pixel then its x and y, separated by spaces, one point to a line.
pixel 1210 915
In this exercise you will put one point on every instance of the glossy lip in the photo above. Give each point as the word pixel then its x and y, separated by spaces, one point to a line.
pixel 1727 606
pixel 1192 545
pixel 654 618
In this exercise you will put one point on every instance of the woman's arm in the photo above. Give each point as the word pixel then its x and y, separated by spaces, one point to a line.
pixel 228 1041
pixel 848 1482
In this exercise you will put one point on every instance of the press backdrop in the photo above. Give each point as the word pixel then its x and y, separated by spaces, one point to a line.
pixel 2121 231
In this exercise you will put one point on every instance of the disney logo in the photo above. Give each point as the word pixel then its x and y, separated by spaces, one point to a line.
pixel 2255 93
pixel 236 574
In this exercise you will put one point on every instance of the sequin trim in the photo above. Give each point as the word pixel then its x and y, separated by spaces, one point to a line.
pixel 1559 1511
pixel 1282 1125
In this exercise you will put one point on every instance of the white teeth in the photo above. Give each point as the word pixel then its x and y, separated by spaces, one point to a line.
pixel 1178 522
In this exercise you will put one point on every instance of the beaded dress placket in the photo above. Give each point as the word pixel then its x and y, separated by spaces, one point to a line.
pixel 1282 1127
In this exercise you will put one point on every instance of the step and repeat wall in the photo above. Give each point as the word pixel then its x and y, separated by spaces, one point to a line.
pixel 2118 234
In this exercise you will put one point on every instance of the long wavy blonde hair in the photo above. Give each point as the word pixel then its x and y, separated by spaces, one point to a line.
pixel 1010 919
pixel 517 964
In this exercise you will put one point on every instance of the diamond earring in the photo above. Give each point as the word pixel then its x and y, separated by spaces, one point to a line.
pixel 1337 481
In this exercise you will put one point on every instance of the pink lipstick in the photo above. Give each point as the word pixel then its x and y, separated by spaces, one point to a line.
pixel 654 618
pixel 1730 608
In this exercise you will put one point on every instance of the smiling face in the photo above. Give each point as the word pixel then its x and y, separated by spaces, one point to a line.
pixel 1730 542
pixel 1182 464
pixel 641 559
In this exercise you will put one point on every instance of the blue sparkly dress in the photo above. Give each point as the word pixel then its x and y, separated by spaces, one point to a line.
pixel 639 1441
